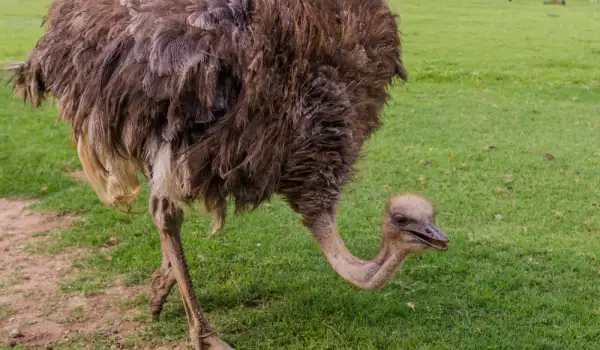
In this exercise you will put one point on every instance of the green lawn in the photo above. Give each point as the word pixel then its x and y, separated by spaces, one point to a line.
pixel 520 76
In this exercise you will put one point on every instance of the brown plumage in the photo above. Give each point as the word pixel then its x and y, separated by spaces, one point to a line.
pixel 252 96
pixel 212 99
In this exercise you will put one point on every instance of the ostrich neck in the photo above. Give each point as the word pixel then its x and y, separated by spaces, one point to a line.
pixel 364 274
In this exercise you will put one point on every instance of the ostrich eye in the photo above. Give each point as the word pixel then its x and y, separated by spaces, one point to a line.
pixel 399 219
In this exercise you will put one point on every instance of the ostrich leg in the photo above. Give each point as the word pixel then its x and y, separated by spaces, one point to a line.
pixel 168 218
pixel 163 280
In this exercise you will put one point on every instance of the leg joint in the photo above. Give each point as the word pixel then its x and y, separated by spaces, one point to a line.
pixel 166 215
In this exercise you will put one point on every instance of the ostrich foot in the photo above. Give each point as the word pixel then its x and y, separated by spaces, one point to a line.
pixel 163 281
pixel 212 342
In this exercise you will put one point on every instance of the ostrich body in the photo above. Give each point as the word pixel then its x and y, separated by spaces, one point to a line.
pixel 218 99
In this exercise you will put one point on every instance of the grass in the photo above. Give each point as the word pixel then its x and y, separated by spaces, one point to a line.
pixel 5 311
pixel 15 278
pixel 520 76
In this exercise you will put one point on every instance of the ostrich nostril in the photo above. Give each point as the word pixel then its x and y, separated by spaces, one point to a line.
pixel 428 231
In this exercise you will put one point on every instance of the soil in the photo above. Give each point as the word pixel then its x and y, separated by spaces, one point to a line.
pixel 34 312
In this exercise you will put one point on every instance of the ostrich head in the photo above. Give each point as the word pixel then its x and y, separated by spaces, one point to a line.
pixel 409 224
pixel 408 227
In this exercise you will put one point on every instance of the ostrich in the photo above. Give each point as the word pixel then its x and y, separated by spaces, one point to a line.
pixel 219 99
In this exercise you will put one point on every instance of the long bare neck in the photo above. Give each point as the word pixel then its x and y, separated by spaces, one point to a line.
pixel 364 274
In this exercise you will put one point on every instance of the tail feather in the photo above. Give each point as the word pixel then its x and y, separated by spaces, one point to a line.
pixel 118 183
pixel 113 178
pixel 27 82
pixel 13 66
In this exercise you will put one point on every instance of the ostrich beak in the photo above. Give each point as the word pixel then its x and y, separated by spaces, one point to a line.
pixel 430 234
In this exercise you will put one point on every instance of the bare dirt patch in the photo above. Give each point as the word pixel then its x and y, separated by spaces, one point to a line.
pixel 16 219
pixel 33 310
